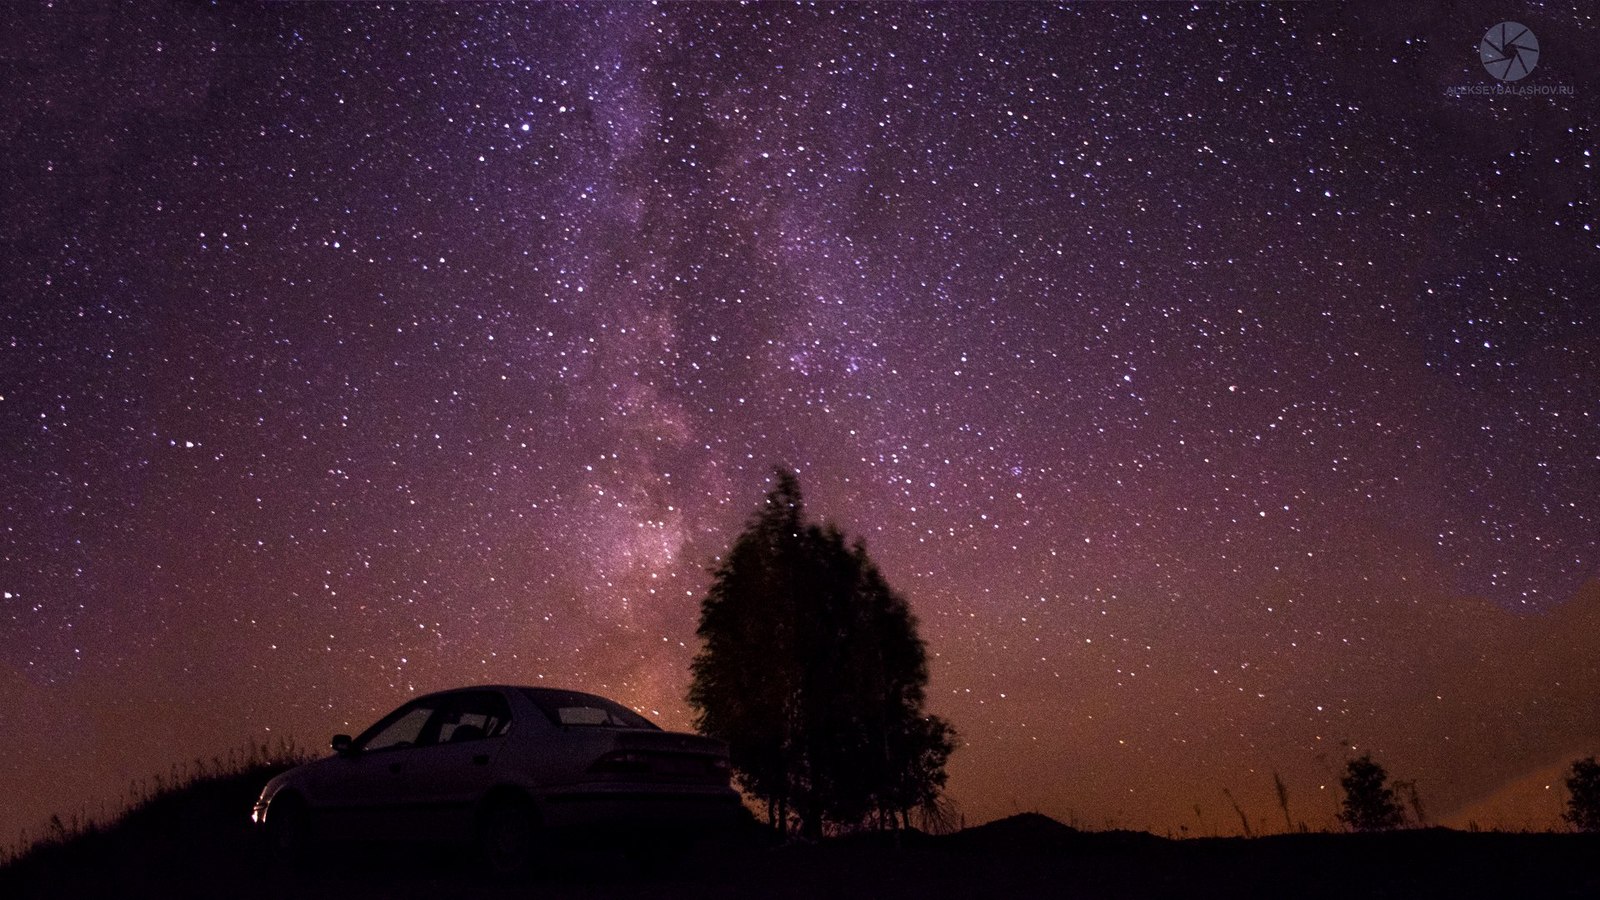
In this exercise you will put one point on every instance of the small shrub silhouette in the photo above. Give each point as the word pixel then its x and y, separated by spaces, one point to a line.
pixel 1283 802
pixel 1244 821
pixel 1369 802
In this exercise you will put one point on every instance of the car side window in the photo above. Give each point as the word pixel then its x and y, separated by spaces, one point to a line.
pixel 403 730
pixel 474 716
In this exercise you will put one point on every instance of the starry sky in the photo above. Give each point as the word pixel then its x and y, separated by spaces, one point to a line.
pixel 1219 383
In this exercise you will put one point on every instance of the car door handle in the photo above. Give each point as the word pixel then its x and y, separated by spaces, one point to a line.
pixel 482 759
pixel 395 768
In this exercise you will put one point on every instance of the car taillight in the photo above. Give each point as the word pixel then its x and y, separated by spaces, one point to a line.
pixel 621 763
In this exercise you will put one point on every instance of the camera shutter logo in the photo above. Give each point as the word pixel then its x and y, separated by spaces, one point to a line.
pixel 1509 51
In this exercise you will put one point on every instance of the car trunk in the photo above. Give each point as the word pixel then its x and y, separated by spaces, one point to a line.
pixel 664 757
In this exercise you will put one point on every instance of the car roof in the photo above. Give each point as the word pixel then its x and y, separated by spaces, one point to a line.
pixel 548 689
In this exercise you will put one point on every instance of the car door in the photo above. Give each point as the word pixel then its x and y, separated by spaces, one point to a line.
pixel 447 778
pixel 363 794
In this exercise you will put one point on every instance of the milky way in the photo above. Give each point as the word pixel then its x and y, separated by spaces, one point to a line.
pixel 1218 383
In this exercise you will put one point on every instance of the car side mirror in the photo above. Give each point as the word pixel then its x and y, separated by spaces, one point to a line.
pixel 342 745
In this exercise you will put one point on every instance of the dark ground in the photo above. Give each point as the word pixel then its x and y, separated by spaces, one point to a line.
pixel 197 843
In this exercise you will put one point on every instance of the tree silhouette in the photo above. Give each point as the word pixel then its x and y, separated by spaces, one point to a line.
pixel 1583 795
pixel 744 688
pixel 812 670
pixel 1369 803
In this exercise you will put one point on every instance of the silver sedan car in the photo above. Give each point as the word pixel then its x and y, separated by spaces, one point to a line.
pixel 501 767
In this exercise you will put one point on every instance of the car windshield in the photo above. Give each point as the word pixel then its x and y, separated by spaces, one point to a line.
pixel 574 708
pixel 401 728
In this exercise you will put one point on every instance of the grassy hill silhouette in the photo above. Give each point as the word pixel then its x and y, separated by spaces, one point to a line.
pixel 196 834
pixel 196 841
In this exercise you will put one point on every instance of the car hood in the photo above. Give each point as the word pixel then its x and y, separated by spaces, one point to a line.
pixel 295 776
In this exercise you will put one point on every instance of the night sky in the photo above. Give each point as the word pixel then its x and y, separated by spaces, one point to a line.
pixel 1221 391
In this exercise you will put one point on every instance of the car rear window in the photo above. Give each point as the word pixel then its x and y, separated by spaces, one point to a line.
pixel 586 710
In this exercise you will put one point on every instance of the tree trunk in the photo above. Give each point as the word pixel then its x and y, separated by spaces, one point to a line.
pixel 811 825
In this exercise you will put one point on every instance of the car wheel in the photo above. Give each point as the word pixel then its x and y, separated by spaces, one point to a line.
pixel 507 835
pixel 289 830
pixel 658 852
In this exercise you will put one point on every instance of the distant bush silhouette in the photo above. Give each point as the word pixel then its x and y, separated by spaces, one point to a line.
pixel 1583 795
pixel 811 669
pixel 1406 791
pixel 1369 803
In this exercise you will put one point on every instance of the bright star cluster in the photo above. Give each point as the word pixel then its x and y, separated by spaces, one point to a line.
pixel 1220 389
